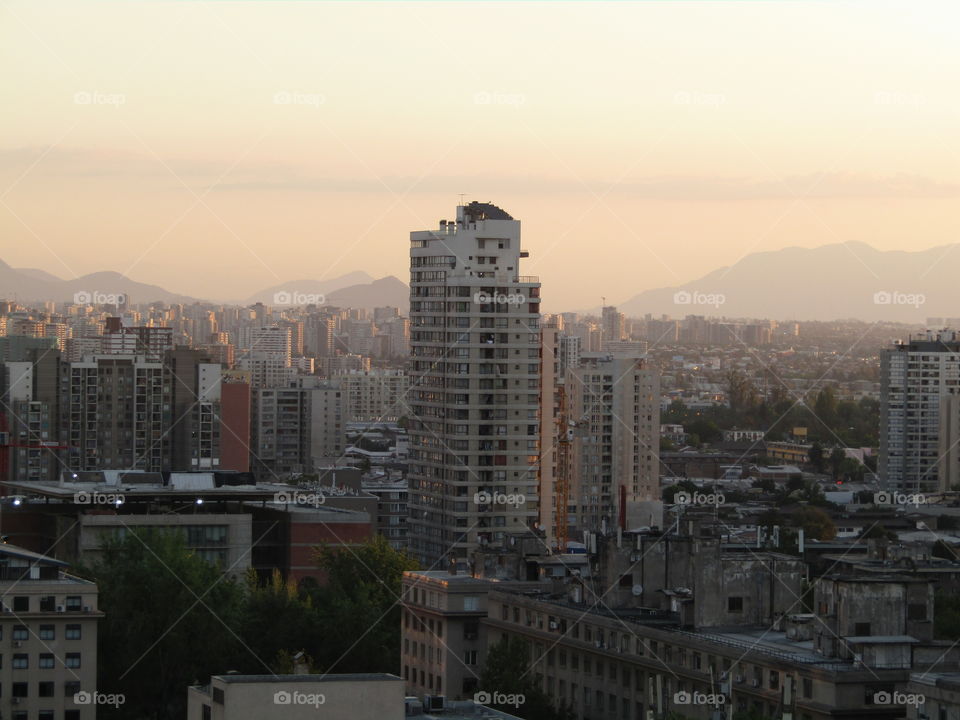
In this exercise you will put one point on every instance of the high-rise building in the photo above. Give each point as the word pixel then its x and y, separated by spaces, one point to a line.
pixel 612 325
pixel 475 350
pixel 916 376
pixel 115 412
pixel 614 409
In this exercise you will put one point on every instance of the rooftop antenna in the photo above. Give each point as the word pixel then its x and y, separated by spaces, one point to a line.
pixel 461 198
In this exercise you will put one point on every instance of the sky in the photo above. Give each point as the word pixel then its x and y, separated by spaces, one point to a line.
pixel 219 148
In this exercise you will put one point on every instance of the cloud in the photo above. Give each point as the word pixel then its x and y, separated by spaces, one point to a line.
pixel 266 176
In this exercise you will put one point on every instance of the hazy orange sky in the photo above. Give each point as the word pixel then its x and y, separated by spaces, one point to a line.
pixel 218 148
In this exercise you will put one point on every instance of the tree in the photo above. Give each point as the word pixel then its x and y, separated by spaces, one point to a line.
pixel 837 456
pixel 669 492
pixel 815 453
pixel 278 622
pixel 510 671
pixel 816 524
pixel 170 621
pixel 766 484
pixel 360 612
pixel 825 406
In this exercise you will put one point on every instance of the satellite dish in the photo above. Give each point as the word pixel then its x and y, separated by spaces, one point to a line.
pixel 637 590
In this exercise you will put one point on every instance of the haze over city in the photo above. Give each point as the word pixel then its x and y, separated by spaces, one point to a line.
pixel 227 146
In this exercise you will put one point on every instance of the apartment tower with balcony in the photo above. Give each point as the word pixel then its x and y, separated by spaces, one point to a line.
pixel 475 384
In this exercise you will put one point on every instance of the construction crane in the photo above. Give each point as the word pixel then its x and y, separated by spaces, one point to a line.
pixel 562 481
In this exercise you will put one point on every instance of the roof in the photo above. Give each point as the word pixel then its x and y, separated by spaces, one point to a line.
pixel 24 554
pixel 342 677
pixel 487 211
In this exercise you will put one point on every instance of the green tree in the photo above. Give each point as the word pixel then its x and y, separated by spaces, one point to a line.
pixel 278 622
pixel 170 621
pixel 815 453
pixel 360 612
pixel 509 670
pixel 816 523
pixel 837 456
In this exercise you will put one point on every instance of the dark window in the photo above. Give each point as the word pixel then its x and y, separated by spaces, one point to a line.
pixel 21 603
pixel 48 603
pixel 218 695
pixel 71 688
pixel 48 632
pixel 916 611
pixel 46 689
pixel 735 604
pixel 73 603
pixel 72 632
pixel 21 689
pixel 861 629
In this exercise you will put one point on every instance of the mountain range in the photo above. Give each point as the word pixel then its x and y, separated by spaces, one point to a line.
pixel 355 289
pixel 830 282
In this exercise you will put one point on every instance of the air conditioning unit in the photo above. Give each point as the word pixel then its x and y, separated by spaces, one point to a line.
pixel 740 678
pixel 8 610
pixel 17 643
pixel 554 626
pixel 755 683
pixel 61 608
pixel 87 608
pixel 15 701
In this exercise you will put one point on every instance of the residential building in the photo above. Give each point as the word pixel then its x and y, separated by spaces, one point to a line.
pixel 475 349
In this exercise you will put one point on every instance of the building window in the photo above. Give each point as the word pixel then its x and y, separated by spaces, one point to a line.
pixel 46 689
pixel 74 603
pixel 471 603
pixel 735 604
pixel 21 690
pixel 46 661
pixel 48 632
pixel 21 661
pixel 21 603
pixel 71 688
pixel 72 632
pixel 48 603
pixel 470 657
pixel 21 633
pixel 861 629
pixel 72 660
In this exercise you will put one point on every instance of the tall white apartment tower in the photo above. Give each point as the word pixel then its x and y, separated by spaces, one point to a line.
pixel 474 398
pixel 918 428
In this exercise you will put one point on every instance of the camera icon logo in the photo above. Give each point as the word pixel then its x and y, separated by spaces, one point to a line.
pixel 482 698
pixel 282 697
